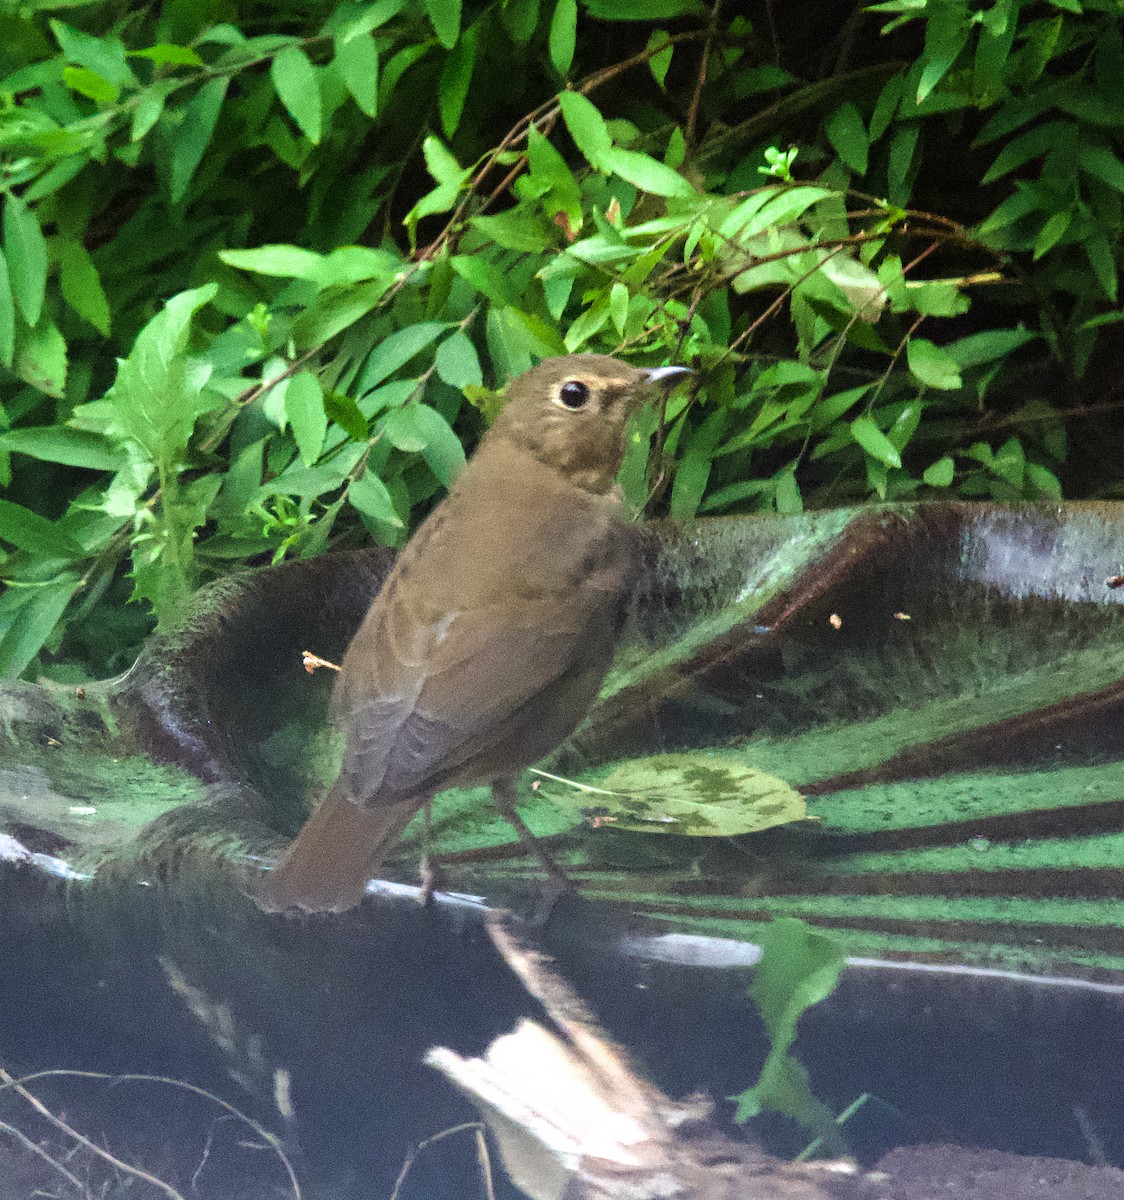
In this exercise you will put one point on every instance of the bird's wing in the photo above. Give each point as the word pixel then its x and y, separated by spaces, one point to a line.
pixel 424 700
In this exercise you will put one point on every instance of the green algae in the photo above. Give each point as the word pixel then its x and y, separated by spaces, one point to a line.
pixel 968 796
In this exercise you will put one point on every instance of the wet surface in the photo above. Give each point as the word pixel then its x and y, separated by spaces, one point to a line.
pixel 944 684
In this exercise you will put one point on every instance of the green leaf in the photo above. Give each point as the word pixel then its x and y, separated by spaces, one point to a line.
pixel 284 261
pixel 27 530
pixel 647 173
pixel 157 398
pixel 304 408
pixel 357 61
pixel 166 54
pixel 445 16
pixel 369 495
pixel 354 264
pixel 103 55
pixel 419 428
pixel 336 312
pixel 456 76
pixel 294 77
pixel 902 159
pixel 345 412
pixel 589 322
pixel 90 84
pixel 401 430
pixel 798 968
pixel 674 156
pixel 787 496
pixel 1103 261
pixel 7 315
pixel 1044 481
pixel 875 442
pixel 396 351
pixel 771 207
pixel 149 109
pixel 1032 144
pixel 81 285
pixel 936 298
pixel 698 794
pixel 540 337
pixel 520 18
pixel 693 472
pixel 440 163
pixel 885 107
pixel 191 138
pixel 1009 462
pixel 828 410
pixel 905 425
pixel 374 16
pixel 847 134
pixel 618 306
pixel 549 168
pixel 398 65
pixel 26 252
pixel 932 365
pixel 988 346
pixel 32 622
pixel 457 362
pixel 1100 162
pixel 587 127
pixel 1051 232
pixel 563 35
pixel 659 63
pixel 946 34
pixel 303 481
pixel 940 473
pixel 516 229
pixel 484 276
pixel 62 444
pixel 41 358
pixel 507 346
pixel 643 10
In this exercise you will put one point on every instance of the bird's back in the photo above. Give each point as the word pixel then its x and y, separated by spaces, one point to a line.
pixel 491 635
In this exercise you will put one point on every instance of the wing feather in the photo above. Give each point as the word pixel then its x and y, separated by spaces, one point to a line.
pixel 459 694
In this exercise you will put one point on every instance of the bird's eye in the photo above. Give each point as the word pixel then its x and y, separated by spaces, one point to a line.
pixel 573 395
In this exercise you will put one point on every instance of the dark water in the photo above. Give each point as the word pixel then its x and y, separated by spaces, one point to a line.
pixel 348 1006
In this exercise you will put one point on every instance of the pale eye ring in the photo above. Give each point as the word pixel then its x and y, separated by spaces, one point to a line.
pixel 573 394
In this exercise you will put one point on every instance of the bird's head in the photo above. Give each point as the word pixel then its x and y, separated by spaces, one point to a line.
pixel 570 413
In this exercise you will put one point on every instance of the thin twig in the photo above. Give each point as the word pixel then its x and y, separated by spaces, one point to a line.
pixel 414 1151
pixel 484 1161
pixel 82 1140
pixel 545 115
pixel 271 1140
pixel 700 81
pixel 35 1148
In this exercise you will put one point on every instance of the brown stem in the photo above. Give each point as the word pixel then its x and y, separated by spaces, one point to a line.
pixel 700 81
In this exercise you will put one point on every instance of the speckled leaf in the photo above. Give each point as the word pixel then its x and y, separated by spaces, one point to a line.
pixel 702 794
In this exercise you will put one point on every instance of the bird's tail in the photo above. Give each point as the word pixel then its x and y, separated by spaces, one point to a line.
pixel 336 852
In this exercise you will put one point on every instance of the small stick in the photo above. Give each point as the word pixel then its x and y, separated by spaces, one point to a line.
pixel 412 1155
pixel 35 1148
pixel 313 662
pixel 82 1140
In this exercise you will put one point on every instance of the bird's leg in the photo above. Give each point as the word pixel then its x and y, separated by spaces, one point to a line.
pixel 505 796
pixel 427 871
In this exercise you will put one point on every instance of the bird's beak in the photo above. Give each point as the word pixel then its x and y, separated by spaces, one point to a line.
pixel 666 377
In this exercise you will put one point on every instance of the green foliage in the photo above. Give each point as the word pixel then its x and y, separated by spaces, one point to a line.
pixel 799 967
pixel 319 240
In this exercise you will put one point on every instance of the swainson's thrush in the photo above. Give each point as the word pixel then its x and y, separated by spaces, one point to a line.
pixel 489 639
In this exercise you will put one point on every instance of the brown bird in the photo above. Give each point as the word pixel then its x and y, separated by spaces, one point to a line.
pixel 490 637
